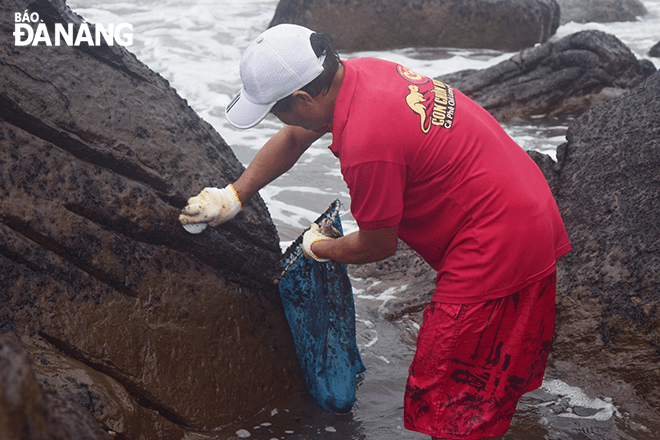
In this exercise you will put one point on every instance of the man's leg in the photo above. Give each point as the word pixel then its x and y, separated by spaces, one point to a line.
pixel 474 361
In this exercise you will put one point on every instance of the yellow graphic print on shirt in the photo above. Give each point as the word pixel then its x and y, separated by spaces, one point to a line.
pixel 432 100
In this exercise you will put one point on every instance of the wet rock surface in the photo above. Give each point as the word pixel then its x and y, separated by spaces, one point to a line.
pixel 655 50
pixel 558 79
pixel 600 11
pixel 607 188
pixel 29 412
pixel 153 330
pixel 405 272
pixel 380 24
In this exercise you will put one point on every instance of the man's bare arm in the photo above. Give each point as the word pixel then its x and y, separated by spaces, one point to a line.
pixel 275 158
pixel 362 246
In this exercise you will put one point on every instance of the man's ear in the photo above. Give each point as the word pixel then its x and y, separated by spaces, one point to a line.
pixel 302 97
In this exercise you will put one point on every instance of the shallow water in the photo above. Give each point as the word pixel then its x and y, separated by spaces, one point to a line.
pixel 196 45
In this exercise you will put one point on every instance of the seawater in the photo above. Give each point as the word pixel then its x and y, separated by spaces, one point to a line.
pixel 196 45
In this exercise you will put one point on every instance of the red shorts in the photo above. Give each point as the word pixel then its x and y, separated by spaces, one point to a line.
pixel 474 361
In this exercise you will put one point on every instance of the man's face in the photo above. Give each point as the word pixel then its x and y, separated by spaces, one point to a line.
pixel 308 112
pixel 298 118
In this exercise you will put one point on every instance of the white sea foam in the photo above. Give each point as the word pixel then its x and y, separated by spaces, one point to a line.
pixel 577 398
pixel 372 341
pixel 287 213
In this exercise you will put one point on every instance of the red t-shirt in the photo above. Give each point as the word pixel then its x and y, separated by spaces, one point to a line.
pixel 416 153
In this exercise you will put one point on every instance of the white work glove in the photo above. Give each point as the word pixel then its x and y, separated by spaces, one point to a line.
pixel 318 233
pixel 212 205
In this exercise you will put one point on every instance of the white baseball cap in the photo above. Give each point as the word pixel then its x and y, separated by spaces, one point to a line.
pixel 277 63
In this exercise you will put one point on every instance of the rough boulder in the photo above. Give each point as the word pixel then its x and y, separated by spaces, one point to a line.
pixel 357 25
pixel 562 78
pixel 153 330
pixel 607 186
pixel 655 50
pixel 27 412
pixel 600 11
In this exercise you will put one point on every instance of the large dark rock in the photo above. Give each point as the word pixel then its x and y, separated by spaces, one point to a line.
pixel 29 413
pixel 562 78
pixel 385 24
pixel 607 187
pixel 655 50
pixel 600 11
pixel 170 331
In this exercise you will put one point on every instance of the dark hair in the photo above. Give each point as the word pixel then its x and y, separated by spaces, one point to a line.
pixel 321 44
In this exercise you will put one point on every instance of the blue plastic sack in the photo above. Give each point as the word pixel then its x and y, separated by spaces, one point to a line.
pixel 318 301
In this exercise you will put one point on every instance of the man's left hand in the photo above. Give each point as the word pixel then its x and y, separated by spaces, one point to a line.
pixel 314 234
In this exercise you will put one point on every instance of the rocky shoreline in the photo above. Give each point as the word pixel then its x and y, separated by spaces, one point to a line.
pixel 115 323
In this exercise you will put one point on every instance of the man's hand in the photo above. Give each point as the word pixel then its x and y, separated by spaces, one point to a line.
pixel 213 206
pixel 318 233
pixel 359 247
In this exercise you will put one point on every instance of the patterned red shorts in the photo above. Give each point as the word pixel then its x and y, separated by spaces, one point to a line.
pixel 474 361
